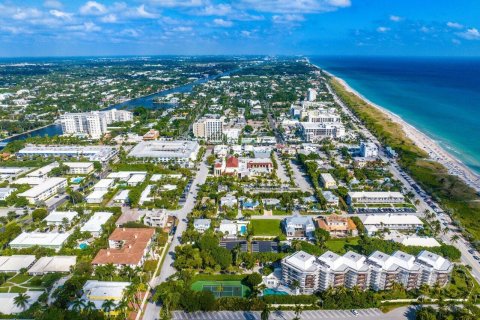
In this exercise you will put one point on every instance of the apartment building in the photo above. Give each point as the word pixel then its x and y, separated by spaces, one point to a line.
pixel 300 272
pixel 374 223
pixel 79 167
pixel 127 246
pixel 317 131
pixel 45 190
pixel 323 116
pixel 379 271
pixel 368 150
pixel 209 128
pixel 92 123
pixel 328 182
pixel 374 197
pixel 311 95
pixel 178 151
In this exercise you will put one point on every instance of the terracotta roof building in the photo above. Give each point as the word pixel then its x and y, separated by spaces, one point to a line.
pixel 337 226
pixel 127 246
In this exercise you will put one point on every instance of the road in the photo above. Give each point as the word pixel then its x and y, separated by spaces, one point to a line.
pixel 403 313
pixel 152 310
pixel 446 234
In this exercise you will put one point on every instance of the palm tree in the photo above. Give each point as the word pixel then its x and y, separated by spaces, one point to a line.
pixel 108 305
pixel 90 306
pixel 455 238
pixel 78 304
pixel 265 312
pixel 298 312
pixel 21 301
pixel 123 308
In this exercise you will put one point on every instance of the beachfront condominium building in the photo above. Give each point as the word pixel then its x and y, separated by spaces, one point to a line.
pixel 317 131
pixel 92 123
pixel 300 272
pixel 209 128
pixel 377 272
pixel 311 95
pixel 323 116
pixel 368 150
pixel 378 222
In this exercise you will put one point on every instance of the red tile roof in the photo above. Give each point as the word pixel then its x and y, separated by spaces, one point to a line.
pixel 135 241
pixel 232 162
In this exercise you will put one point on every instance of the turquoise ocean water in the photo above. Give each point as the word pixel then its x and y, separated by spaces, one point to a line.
pixel 439 96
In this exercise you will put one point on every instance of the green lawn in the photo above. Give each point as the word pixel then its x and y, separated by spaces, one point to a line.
pixel 20 278
pixel 341 245
pixel 267 227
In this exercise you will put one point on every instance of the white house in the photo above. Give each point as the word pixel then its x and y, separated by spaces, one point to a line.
pixel 57 217
pixel 201 225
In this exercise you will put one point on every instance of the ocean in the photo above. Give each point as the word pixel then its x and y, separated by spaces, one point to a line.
pixel 439 96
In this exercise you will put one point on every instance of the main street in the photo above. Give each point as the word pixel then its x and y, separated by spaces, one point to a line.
pixel 446 233
pixel 152 310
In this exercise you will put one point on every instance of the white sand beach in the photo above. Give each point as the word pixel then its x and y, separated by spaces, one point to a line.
pixel 436 152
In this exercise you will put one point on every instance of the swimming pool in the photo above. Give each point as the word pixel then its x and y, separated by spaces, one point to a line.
pixel 77 180
pixel 274 292
pixel 83 246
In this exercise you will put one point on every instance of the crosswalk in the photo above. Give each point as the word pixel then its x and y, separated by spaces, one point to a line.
pixel 283 315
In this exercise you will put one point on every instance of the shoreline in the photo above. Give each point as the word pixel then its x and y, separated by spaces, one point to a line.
pixel 423 141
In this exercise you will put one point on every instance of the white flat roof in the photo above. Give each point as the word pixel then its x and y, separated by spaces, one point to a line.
pixel 7 301
pixel 39 239
pixel 97 194
pixel 16 262
pixel 29 180
pixel 420 242
pixel 41 188
pixel 137 178
pixel 389 219
pixel 43 170
pixel 103 183
pixel 53 264
pixel 58 216
pixel 164 149
pixel 122 195
pixel 78 164
pixel 375 194
pixel 96 221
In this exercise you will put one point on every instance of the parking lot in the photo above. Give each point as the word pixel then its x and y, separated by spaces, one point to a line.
pixel 284 315
pixel 384 210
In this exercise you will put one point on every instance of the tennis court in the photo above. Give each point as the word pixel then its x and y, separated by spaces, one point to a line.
pixel 222 288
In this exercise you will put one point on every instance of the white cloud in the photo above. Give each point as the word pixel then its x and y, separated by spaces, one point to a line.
pixel 287 18
pixel 52 4
pixel 182 29
pixel 177 3
pixel 61 14
pixel 383 29
pixel 470 34
pixel 395 18
pixel 26 13
pixel 222 23
pixel 109 18
pixel 85 27
pixel 340 3
pixel 294 6
pixel 456 41
pixel 93 8
pixel 246 34
pixel 141 12
pixel 454 25
pixel 425 29
pixel 216 10
pixel 130 33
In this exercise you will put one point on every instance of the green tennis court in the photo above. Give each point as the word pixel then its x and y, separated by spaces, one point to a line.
pixel 222 288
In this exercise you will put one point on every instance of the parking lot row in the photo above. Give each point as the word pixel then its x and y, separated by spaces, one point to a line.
pixel 285 315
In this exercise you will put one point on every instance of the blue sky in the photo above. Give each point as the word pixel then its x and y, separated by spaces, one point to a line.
pixel 323 27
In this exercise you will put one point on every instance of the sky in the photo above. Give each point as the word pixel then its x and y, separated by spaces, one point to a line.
pixel 289 27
